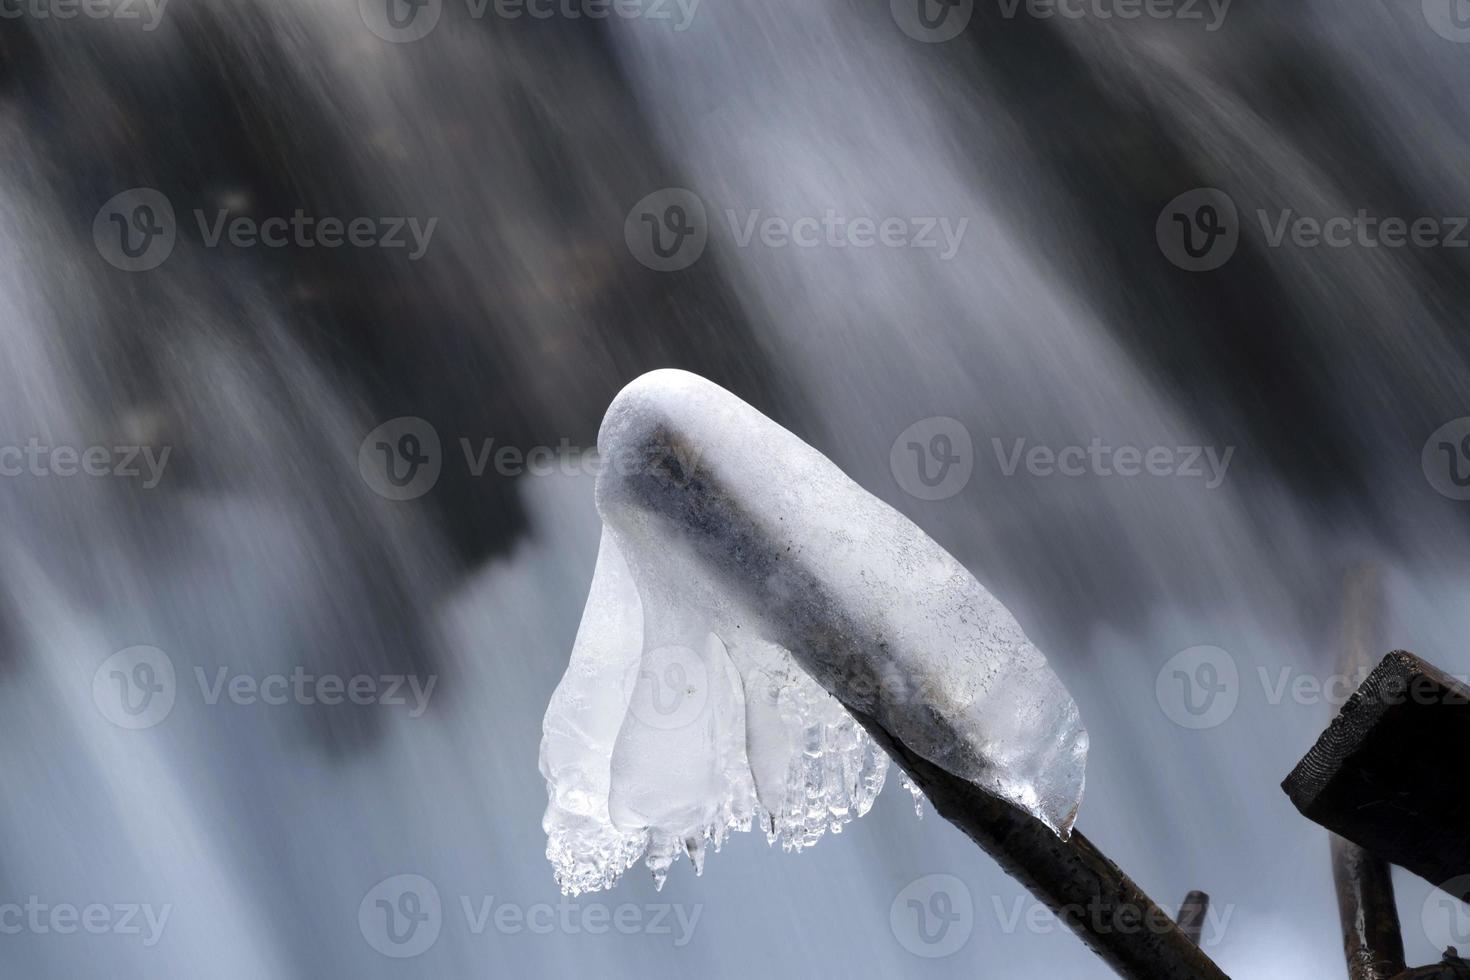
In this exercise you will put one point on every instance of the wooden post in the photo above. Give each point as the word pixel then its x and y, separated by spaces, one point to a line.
pixel 1383 773
pixel 1450 968
pixel 1374 777
pixel 1372 943
pixel 1370 919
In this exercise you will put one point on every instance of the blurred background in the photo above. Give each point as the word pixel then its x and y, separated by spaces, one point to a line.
pixel 1079 307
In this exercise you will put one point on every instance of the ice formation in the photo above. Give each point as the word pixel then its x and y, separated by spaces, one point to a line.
pixel 745 591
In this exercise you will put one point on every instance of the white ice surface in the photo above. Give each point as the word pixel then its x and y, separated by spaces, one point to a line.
pixel 682 716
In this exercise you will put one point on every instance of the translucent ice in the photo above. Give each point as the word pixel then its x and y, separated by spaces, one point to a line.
pixel 665 748
pixel 744 580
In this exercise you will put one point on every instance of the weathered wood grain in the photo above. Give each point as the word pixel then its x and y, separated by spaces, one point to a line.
pixel 1388 773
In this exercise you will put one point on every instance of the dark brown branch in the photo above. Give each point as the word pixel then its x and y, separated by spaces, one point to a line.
pixel 1074 879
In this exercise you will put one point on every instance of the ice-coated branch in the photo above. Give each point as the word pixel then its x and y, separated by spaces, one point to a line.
pixel 743 578
pixel 749 599
pixel 771 537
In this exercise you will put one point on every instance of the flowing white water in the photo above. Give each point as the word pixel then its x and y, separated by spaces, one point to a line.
pixel 265 829
pixel 832 111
